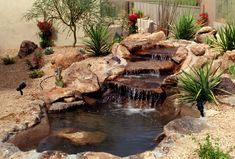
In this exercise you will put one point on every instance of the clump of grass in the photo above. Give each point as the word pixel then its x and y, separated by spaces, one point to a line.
pixel 99 43
pixel 8 60
pixel 225 39
pixel 208 150
pixel 36 73
pixel 185 27
pixel 199 84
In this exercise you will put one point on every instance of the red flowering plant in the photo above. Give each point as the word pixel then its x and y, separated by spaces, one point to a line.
pixel 45 34
pixel 203 19
pixel 132 23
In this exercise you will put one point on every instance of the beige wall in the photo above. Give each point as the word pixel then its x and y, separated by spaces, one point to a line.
pixel 13 29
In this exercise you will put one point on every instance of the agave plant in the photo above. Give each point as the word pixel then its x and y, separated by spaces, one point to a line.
pixel 99 42
pixel 185 27
pixel 226 38
pixel 199 85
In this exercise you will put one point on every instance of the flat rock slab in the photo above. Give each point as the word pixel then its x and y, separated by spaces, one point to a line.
pixel 147 85
pixel 148 66
pixel 59 106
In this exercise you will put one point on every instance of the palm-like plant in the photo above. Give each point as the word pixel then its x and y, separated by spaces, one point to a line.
pixel 185 27
pixel 226 38
pixel 199 85
pixel 99 42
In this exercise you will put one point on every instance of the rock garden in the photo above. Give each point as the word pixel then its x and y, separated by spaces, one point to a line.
pixel 159 95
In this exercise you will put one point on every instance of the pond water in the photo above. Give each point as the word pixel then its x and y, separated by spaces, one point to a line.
pixel 129 131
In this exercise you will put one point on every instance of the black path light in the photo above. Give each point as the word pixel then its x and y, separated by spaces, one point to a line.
pixel 20 87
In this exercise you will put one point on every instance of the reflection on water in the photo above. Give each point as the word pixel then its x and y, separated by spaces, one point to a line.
pixel 129 131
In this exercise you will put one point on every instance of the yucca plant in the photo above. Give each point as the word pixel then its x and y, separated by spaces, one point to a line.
pixel 199 85
pixel 99 42
pixel 226 38
pixel 185 27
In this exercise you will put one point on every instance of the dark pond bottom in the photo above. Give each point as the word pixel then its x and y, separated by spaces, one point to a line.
pixel 129 131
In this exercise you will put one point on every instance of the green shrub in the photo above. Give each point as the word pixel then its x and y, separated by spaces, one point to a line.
pixel 99 43
pixel 226 38
pixel 199 84
pixel 232 70
pixel 8 60
pixel 36 73
pixel 185 27
pixel 208 150
pixel 48 51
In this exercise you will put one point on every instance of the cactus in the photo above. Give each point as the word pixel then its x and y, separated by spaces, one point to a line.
pixel 58 77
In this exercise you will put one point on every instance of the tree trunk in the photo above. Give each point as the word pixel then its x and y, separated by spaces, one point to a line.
pixel 74 36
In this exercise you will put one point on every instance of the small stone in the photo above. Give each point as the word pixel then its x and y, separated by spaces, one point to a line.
pixel 231 55
pixel 69 100
pixel 97 155
pixel 198 49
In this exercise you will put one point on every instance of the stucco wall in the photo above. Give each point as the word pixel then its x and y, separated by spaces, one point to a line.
pixel 14 29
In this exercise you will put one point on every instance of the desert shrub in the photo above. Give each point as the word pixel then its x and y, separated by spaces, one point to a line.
pixel 225 39
pixel 58 78
pixel 8 60
pixel 36 73
pixel 48 51
pixel 232 70
pixel 208 150
pixel 199 84
pixel 185 27
pixel 99 43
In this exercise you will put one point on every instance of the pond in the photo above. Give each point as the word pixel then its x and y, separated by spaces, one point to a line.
pixel 129 131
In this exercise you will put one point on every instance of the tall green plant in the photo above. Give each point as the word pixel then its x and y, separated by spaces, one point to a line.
pixel 185 27
pixel 99 42
pixel 226 38
pixel 199 85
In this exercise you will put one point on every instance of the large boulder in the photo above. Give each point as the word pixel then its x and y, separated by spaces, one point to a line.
pixel 204 33
pixel 180 55
pixel 88 75
pixel 82 137
pixel 26 48
pixel 226 85
pixel 138 41
pixel 184 126
pixel 172 108
pixel 65 60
